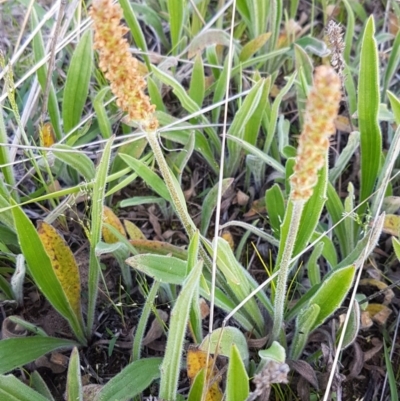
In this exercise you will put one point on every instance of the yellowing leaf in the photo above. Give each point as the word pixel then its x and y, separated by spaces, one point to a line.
pixel 63 263
pixel 133 230
pixel 392 224
pixel 110 218
pixel 196 361
pixel 158 247
pixel 253 46
pixel 47 137
pixel 227 236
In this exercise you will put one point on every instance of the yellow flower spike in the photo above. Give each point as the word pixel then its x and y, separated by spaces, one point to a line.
pixel 321 111
pixel 120 68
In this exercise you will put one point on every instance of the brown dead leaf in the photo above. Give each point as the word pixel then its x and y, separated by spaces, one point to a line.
pixel 357 361
pixel 394 24
pixel 306 371
pixel 156 329
pixel 379 313
pixel 257 208
pixel 388 292
pixel 377 346
pixel 366 321
pixel 241 198
pixel 204 308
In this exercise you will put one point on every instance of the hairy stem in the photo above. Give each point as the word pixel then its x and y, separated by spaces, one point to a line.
pixel 280 291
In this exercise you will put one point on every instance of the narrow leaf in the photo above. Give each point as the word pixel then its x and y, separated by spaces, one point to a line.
pixel 74 382
pixel 77 84
pixel 237 381
pixel 170 367
pixel 16 352
pixel 131 381
pixel 12 389
pixel 41 270
pixel 368 106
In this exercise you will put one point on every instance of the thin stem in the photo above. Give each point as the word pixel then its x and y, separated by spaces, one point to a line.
pixel 283 273
pixel 179 206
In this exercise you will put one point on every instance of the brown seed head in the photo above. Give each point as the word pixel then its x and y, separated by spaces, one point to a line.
pixel 118 65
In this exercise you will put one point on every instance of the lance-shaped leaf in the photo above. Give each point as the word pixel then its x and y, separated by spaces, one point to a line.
pixel 13 389
pixel 41 269
pixel 109 217
pixel 368 106
pixel 170 367
pixel 77 84
pixel 332 293
pixel 63 264
pixel 16 352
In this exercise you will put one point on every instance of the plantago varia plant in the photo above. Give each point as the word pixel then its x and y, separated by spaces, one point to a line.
pixel 321 110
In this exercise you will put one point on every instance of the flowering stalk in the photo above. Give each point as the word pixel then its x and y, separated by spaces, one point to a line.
pixel 128 85
pixel 321 111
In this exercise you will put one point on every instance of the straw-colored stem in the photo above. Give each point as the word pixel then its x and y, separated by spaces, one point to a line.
pixel 280 291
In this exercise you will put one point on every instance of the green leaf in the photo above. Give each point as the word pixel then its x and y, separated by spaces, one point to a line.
pixel 396 247
pixel 353 327
pixel 368 106
pixel 331 293
pixel 151 18
pixel 99 189
pixel 314 271
pixel 392 64
pixel 394 394
pixel 268 160
pixel 395 104
pixel 207 38
pixel 144 317
pixel 148 176
pixel 240 285
pixel 101 113
pixel 221 340
pixel 304 325
pixel 77 84
pixel 275 113
pixel 210 203
pixel 131 381
pixel 165 269
pixel 237 381
pixel 75 159
pixel 40 385
pixel 254 46
pixel 12 389
pixel 196 389
pixel 74 382
pixel 275 204
pixel 170 367
pixel 197 82
pixel 237 130
pixel 176 13
pixel 41 270
pixel 39 52
pixel 16 352
pixel 135 29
